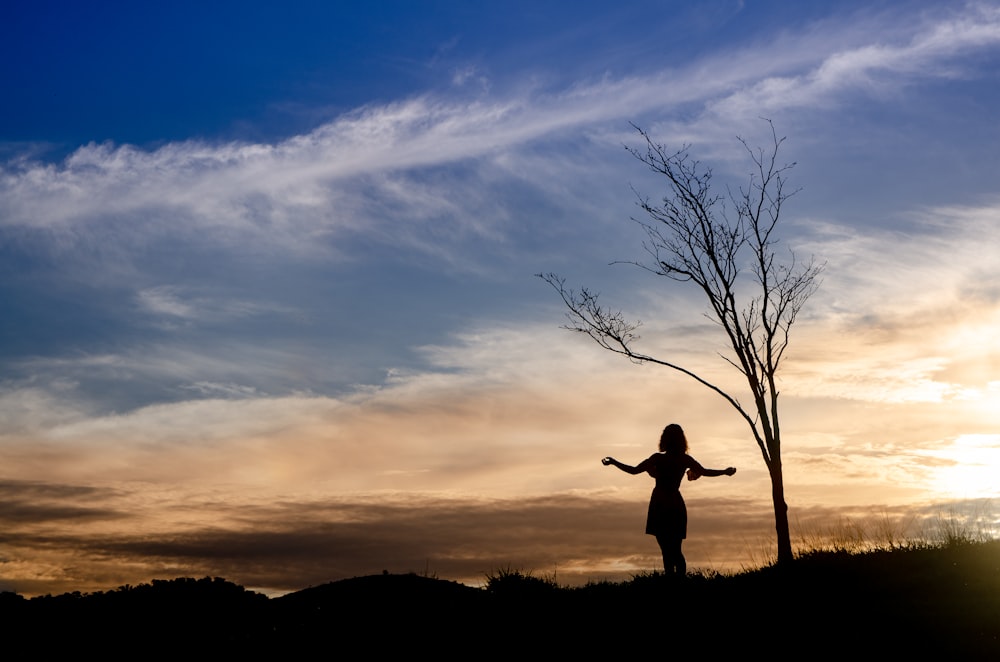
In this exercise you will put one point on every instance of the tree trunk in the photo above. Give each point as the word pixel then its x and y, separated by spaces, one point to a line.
pixel 780 514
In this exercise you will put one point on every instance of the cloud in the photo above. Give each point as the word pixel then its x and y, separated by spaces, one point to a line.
pixel 488 460
pixel 500 411
pixel 895 56
pixel 288 545
pixel 292 194
pixel 913 320
pixel 38 503
pixel 177 304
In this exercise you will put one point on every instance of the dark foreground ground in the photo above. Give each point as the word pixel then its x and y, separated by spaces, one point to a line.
pixel 942 601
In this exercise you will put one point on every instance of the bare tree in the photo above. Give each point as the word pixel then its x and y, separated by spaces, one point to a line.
pixel 726 245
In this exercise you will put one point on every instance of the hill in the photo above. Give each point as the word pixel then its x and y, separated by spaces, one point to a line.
pixel 913 600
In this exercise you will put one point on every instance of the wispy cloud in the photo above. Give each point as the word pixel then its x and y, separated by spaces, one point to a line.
pixel 174 303
pixel 285 193
pixel 895 56
pixel 915 319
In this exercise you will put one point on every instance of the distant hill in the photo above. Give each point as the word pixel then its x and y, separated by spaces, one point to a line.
pixel 912 601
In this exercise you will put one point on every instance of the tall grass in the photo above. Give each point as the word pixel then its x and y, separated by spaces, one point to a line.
pixel 879 532
pixel 885 532
pixel 516 581
pixel 955 528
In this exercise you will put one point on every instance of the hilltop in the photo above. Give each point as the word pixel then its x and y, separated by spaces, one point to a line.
pixel 911 600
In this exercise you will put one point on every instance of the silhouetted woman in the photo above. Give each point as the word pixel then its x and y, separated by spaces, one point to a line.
pixel 667 517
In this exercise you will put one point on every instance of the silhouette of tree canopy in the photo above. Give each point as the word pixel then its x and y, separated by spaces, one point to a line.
pixel 726 245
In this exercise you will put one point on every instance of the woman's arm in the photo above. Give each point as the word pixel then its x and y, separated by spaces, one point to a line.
pixel 627 468
pixel 696 471
pixel 712 473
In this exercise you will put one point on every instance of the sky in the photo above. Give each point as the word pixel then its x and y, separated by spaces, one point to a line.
pixel 269 299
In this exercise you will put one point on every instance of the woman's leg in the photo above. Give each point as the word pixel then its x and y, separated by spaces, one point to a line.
pixel 673 559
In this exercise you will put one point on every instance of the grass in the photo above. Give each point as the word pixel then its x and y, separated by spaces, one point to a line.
pixel 882 587
pixel 892 598
pixel 515 581
pixel 886 533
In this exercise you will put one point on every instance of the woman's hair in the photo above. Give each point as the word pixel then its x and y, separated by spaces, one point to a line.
pixel 673 440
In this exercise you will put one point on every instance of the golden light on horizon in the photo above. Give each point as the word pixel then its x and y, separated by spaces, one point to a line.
pixel 970 469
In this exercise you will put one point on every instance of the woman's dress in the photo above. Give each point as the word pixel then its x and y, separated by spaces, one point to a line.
pixel 667 514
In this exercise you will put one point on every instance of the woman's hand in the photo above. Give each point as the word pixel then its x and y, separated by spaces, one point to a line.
pixel 730 471
pixel 607 460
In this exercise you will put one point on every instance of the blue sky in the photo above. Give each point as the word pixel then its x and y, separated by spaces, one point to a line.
pixel 253 255
pixel 176 71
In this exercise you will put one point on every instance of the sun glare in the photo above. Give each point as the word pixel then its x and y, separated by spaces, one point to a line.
pixel 973 465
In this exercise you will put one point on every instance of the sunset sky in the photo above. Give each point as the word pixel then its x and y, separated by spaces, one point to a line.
pixel 269 304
